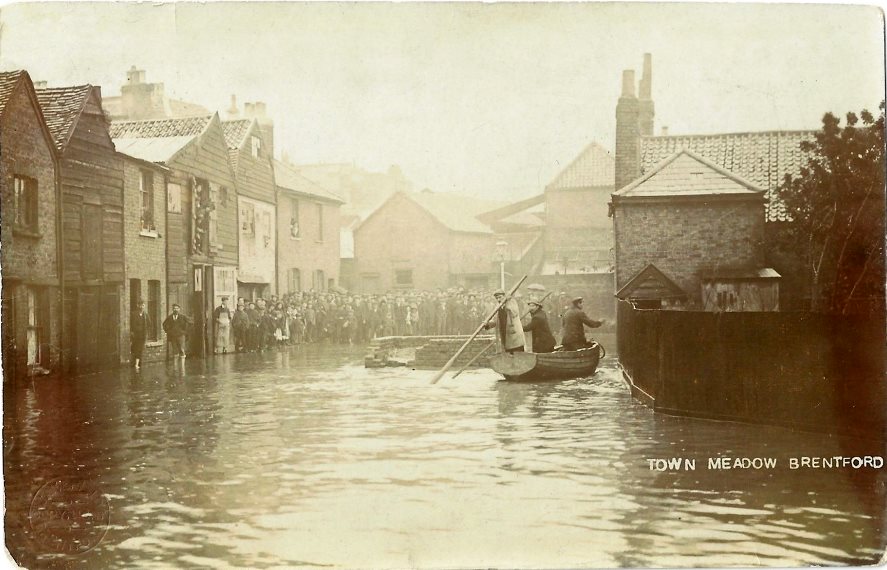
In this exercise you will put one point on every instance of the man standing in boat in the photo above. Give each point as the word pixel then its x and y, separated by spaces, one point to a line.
pixel 543 340
pixel 574 321
pixel 508 324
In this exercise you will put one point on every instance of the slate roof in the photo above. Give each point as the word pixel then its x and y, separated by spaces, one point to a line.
pixel 455 211
pixel 152 150
pixel 160 128
pixel 61 108
pixel 8 81
pixel 650 283
pixel 286 176
pixel 762 158
pixel 594 166
pixel 685 174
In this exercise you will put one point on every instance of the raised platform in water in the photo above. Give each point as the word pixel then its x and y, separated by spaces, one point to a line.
pixel 427 352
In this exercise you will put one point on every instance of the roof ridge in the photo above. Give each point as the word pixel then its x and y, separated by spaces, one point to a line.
pixel 734 133
pixel 128 121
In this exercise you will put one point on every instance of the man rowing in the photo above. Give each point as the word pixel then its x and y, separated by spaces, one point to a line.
pixel 574 321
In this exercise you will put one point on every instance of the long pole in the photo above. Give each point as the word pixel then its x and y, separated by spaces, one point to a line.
pixel 489 346
pixel 450 362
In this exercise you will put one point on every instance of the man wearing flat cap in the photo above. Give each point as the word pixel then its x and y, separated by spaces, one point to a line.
pixel 574 321
pixel 508 324
pixel 543 340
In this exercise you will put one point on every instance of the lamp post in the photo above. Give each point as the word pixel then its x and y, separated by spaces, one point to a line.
pixel 501 252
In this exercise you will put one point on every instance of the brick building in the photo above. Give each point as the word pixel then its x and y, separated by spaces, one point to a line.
pixel 140 100
pixel 32 315
pixel 201 212
pixel 91 179
pixel 689 218
pixel 144 241
pixel 256 200
pixel 308 232
pixel 578 233
pixel 426 241
pixel 761 159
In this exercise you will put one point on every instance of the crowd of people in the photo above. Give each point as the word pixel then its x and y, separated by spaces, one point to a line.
pixel 253 325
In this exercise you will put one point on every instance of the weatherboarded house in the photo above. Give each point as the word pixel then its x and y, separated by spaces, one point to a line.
pixel 201 212
pixel 32 316
pixel 308 232
pixel 91 177
pixel 251 163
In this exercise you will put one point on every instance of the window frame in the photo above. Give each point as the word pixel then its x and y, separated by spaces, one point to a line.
pixel 25 187
pixel 146 192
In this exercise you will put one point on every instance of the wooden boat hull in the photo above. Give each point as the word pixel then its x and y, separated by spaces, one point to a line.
pixel 530 366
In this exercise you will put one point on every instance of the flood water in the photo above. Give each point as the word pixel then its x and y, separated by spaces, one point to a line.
pixel 305 458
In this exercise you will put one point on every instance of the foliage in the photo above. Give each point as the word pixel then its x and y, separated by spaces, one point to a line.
pixel 836 208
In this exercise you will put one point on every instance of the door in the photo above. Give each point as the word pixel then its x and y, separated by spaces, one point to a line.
pixel 88 306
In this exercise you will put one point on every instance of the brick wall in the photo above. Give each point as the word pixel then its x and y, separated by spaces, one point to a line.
pixel 309 252
pixel 401 235
pixel 628 140
pixel 686 239
pixel 28 259
pixel 432 352
pixel 145 257
pixel 26 152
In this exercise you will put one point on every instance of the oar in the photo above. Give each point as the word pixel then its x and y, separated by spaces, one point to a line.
pixel 450 362
pixel 476 356
pixel 479 354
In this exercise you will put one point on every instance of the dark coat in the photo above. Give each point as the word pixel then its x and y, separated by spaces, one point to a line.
pixel 543 340
pixel 574 320
pixel 138 325
pixel 176 327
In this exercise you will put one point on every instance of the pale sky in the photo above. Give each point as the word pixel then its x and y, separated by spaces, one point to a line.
pixel 491 100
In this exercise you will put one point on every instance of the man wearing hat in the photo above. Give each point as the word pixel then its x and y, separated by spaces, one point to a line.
pixel 574 321
pixel 543 340
pixel 222 321
pixel 508 325
pixel 176 328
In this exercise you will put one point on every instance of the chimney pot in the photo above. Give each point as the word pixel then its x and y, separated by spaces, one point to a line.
pixel 628 83
pixel 647 77
pixel 40 84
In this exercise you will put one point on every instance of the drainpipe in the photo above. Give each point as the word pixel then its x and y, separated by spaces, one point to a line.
pixel 60 260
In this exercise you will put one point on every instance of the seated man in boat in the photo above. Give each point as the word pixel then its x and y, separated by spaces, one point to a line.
pixel 574 321
pixel 508 324
pixel 543 340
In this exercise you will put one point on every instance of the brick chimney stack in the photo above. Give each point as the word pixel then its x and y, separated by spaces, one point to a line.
pixel 141 100
pixel 646 101
pixel 233 111
pixel 628 142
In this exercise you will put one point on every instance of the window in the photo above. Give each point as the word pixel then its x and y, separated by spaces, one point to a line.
pixel 35 331
pixel 403 277
pixel 247 219
pixel 294 218
pixel 146 189
pixel 174 199
pixel 255 146
pixel 319 222
pixel 295 280
pixel 25 203
pixel 153 309
pixel 267 238
pixel 214 215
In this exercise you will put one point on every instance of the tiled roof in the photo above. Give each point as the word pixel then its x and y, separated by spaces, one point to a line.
pixel 61 108
pixel 455 211
pixel 235 131
pixel 594 166
pixel 286 176
pixel 686 174
pixel 762 158
pixel 160 128
pixel 8 81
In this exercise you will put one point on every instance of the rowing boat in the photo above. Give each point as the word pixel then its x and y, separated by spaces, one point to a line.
pixel 559 365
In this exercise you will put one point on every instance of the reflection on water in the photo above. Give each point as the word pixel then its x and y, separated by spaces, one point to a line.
pixel 307 459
